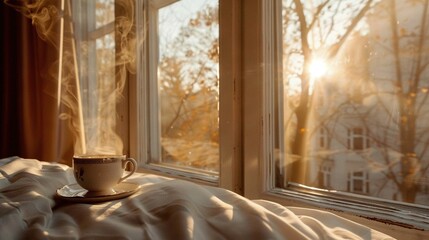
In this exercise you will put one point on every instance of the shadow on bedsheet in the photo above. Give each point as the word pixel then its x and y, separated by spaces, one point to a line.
pixel 163 209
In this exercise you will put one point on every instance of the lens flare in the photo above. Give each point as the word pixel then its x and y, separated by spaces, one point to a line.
pixel 318 68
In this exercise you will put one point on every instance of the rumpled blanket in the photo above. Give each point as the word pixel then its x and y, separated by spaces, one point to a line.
pixel 163 208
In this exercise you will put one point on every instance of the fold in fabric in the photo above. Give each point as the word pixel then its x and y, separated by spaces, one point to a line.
pixel 163 209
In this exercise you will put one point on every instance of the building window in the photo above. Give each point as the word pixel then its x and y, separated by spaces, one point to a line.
pixel 325 176
pixel 323 138
pixel 357 182
pixel 357 139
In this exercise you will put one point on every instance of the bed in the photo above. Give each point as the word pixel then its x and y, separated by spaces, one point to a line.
pixel 162 208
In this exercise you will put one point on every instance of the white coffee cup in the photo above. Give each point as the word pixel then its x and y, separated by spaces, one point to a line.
pixel 100 173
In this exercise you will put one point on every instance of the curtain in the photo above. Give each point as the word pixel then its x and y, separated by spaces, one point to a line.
pixel 32 123
pixel 63 75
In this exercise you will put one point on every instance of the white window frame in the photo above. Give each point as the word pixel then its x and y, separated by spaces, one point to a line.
pixel 323 138
pixel 353 177
pixel 352 137
pixel 230 175
pixel 326 171
pixel 259 75
pixel 248 71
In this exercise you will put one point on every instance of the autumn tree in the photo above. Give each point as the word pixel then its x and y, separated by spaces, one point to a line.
pixel 313 30
pixel 381 50
pixel 188 84
pixel 401 75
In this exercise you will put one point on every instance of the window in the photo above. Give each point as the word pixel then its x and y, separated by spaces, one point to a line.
pixel 325 176
pixel 184 83
pixel 95 50
pixel 357 182
pixel 367 60
pixel 323 138
pixel 336 51
pixel 269 115
pixel 185 127
pixel 357 140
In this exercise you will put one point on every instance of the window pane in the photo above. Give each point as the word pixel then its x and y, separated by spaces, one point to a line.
pixel 188 84
pixel 96 57
pixel 357 143
pixel 102 136
pixel 105 12
pixel 368 63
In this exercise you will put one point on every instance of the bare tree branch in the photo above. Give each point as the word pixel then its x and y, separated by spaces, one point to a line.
pixel 317 14
pixel 335 48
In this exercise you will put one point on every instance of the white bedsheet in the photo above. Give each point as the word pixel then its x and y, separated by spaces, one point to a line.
pixel 163 209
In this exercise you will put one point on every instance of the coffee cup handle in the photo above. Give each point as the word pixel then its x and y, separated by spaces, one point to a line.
pixel 133 168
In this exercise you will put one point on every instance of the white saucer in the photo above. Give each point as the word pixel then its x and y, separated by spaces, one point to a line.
pixel 75 193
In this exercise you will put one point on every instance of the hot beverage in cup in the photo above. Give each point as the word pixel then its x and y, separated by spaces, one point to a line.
pixel 100 173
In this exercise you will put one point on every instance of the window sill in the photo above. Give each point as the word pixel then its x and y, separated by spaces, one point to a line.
pixel 394 220
pixel 184 174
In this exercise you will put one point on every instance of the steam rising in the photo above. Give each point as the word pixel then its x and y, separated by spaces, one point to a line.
pixel 87 100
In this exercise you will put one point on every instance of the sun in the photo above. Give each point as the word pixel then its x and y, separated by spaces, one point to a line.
pixel 318 68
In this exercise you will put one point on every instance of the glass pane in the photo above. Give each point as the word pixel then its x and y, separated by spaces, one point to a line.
pixel 188 84
pixel 99 89
pixel 360 71
pixel 104 12
pixel 103 138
